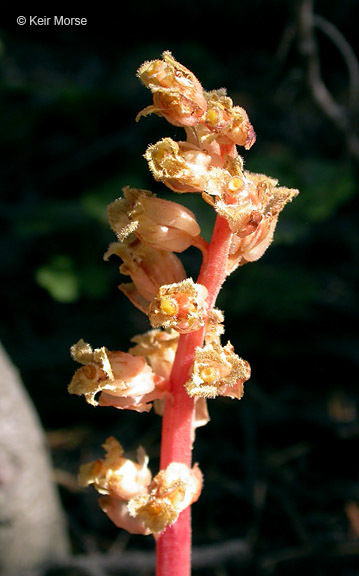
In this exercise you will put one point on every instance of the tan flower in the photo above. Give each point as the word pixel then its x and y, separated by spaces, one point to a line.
pixel 159 223
pixel 115 475
pixel 228 122
pixel 181 306
pixel 148 268
pixel 118 513
pixel 177 94
pixel 121 380
pixel 171 491
pixel 249 245
pixel 179 165
pixel 217 371
pixel 159 348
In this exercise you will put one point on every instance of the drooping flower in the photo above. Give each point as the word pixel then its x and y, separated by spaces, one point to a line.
pixel 159 348
pixel 229 123
pixel 116 475
pixel 179 165
pixel 181 306
pixel 159 223
pixel 177 94
pixel 249 245
pixel 148 268
pixel 121 380
pixel 119 479
pixel 217 371
pixel 171 491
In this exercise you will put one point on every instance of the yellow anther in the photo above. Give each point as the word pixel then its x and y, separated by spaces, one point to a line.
pixel 169 306
pixel 235 184
pixel 209 374
pixel 212 116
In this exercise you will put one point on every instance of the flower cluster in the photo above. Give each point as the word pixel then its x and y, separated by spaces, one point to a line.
pixel 151 232
pixel 132 499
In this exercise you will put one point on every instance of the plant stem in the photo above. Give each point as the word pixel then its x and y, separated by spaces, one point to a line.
pixel 174 544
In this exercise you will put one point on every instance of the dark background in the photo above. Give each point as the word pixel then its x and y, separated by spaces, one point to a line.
pixel 281 466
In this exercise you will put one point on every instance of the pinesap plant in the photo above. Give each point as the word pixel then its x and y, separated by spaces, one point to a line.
pixel 181 362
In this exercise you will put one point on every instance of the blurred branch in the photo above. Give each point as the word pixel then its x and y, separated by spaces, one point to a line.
pixel 345 118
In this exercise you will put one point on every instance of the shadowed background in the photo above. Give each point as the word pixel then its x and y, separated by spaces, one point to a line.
pixel 280 466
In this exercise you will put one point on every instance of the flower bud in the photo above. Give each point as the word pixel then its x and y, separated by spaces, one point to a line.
pixel 177 94
pixel 181 306
pixel 159 223
pixel 122 380
pixel 171 491
pixel 217 371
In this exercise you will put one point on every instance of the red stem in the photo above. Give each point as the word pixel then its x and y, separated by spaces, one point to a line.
pixel 174 544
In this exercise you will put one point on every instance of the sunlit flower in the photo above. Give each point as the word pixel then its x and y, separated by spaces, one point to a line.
pixel 159 223
pixel 217 371
pixel 177 94
pixel 171 491
pixel 116 475
pixel 118 513
pixel 181 306
pixel 228 122
pixel 121 380
pixel 148 268
pixel 182 167
pixel 247 245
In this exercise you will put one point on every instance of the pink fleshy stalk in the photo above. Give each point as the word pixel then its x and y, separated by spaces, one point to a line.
pixel 174 544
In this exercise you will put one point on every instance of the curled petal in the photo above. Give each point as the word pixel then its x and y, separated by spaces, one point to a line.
pixel 181 306
pixel 170 492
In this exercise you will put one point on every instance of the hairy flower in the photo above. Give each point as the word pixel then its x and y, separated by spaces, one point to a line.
pixel 179 165
pixel 249 245
pixel 217 371
pixel 148 268
pixel 177 94
pixel 181 306
pixel 159 223
pixel 229 123
pixel 121 380
pixel 170 492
